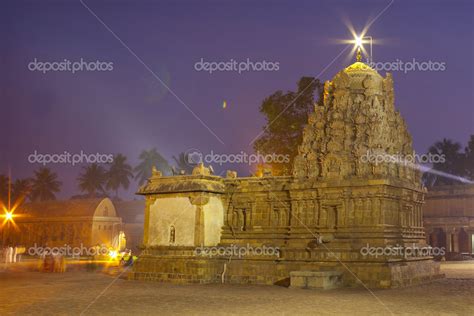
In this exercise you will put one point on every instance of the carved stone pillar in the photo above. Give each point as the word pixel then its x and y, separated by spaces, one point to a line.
pixel 449 243
pixel 199 226
pixel 252 215
pixel 199 202
pixel 469 240
pixel 456 240
pixel 149 200
pixel 294 219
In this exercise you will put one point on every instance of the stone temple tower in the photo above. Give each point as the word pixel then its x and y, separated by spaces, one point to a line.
pixel 352 189
pixel 357 133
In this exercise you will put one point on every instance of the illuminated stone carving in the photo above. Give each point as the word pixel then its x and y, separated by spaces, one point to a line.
pixel 338 201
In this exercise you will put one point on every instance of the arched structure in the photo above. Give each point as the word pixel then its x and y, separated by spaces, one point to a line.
pixel 81 222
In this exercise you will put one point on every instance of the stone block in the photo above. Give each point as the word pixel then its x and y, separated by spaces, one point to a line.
pixel 315 280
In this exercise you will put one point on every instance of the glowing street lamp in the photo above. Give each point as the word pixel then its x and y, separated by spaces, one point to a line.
pixel 113 254
pixel 5 226
pixel 9 216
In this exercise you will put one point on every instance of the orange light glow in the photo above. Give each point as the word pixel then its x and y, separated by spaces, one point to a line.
pixel 9 216
pixel 113 254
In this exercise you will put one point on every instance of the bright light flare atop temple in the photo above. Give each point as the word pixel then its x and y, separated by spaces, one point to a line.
pixel 358 40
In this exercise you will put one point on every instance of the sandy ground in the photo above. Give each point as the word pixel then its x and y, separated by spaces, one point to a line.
pixel 93 293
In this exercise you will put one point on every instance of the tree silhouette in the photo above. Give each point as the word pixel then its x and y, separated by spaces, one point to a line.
pixel 21 190
pixel 92 180
pixel 3 189
pixel 44 185
pixel 453 165
pixel 286 115
pixel 183 164
pixel 469 159
pixel 119 174
pixel 150 158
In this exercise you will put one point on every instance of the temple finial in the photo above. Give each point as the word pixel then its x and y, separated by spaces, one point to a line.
pixel 359 54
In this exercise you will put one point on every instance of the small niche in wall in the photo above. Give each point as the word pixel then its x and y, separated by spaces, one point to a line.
pixel 172 234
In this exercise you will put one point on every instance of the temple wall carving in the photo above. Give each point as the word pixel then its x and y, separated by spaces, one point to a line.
pixel 337 200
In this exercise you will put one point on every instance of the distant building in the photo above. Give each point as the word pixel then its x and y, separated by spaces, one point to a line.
pixel 86 222
pixel 449 218
pixel 132 215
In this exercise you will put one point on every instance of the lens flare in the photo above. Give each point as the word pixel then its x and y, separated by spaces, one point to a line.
pixel 113 254
pixel 9 216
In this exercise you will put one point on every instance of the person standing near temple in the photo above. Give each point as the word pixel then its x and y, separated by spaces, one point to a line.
pixel 14 254
pixel 9 254
pixel 5 254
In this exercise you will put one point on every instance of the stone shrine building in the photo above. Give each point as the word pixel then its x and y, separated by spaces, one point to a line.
pixel 449 219
pixel 319 219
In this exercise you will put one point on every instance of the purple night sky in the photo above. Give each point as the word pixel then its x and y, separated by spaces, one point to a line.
pixel 127 110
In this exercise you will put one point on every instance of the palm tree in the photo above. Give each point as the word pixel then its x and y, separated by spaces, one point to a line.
pixel 119 174
pixel 150 158
pixel 44 185
pixel 453 164
pixel 92 180
pixel 182 163
pixel 21 190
